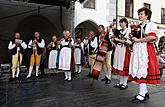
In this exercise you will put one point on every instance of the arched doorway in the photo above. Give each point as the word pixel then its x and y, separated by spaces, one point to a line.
pixel 33 23
pixel 83 28
pixel 36 23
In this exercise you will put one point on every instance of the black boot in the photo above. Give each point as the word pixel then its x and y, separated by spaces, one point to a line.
pixel 104 79
pixel 108 81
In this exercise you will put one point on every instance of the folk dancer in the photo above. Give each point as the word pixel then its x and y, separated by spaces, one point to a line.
pixel 16 46
pixel 52 46
pixel 121 61
pixel 85 42
pixel 35 47
pixel 78 54
pixel 65 55
pixel 143 66
pixel 107 62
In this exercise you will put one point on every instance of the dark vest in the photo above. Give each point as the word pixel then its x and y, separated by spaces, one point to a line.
pixel 14 50
pixel 53 48
pixel 138 35
pixel 109 42
pixel 39 50
pixel 106 38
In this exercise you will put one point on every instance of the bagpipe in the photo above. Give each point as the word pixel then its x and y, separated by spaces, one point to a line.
pixel 125 41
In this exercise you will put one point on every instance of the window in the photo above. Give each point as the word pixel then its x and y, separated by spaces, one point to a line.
pixel 89 4
pixel 163 15
pixel 147 5
pixel 129 8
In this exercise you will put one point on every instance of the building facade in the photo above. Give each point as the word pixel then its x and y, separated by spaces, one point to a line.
pixel 92 13
pixel 128 9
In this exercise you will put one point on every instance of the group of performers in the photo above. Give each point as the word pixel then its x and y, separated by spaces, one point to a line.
pixel 134 56
pixel 139 62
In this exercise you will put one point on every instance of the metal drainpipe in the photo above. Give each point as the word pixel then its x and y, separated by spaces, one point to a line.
pixel 61 18
pixel 116 13
pixel 72 4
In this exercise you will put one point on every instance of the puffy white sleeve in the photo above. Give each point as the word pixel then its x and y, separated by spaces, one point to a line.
pixel 72 42
pixel 127 33
pixel 152 27
pixel 94 43
pixel 30 44
pixel 42 44
pixel 110 34
pixel 82 45
pixel 23 44
pixel 11 45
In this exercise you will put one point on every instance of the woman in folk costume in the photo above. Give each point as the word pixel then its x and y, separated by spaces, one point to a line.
pixel 143 66
pixel 16 46
pixel 78 54
pixel 53 53
pixel 35 47
pixel 121 61
pixel 65 55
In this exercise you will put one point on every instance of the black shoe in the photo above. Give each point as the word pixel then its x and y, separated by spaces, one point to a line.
pixel 89 75
pixel 146 96
pixel 104 79
pixel 123 87
pixel 136 100
pixel 118 85
pixel 69 80
pixel 108 81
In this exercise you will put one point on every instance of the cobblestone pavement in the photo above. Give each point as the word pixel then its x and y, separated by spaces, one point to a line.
pixel 52 91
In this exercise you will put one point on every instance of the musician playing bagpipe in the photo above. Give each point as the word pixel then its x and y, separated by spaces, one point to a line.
pixel 122 54
pixel 35 49
pixel 16 47
pixel 143 67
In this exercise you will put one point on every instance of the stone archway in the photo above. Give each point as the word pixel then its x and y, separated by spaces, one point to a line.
pixel 33 23
pixel 83 28
pixel 36 23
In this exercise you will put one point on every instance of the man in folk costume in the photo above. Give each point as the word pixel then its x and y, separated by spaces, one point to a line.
pixel 65 55
pixel 16 46
pixel 53 53
pixel 92 46
pixel 121 61
pixel 143 66
pixel 78 54
pixel 107 62
pixel 85 42
pixel 35 48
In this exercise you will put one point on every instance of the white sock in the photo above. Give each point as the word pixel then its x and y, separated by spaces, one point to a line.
pixel 37 69
pixel 30 71
pixel 109 74
pixel 66 75
pixel 13 72
pixel 79 70
pixel 121 79
pixel 76 68
pixel 69 75
pixel 125 79
pixel 18 70
pixel 142 89
pixel 106 74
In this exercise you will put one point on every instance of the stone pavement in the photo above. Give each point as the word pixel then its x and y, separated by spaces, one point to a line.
pixel 52 91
